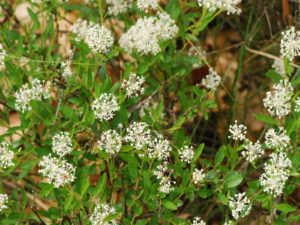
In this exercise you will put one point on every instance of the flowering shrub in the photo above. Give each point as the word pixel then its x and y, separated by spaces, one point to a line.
pixel 123 115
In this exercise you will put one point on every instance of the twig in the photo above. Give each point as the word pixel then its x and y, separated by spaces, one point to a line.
pixel 267 55
pixel 58 106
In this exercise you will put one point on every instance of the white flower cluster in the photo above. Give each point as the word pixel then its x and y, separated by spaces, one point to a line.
pixel 138 135
pixel 6 155
pixel 186 153
pixel 159 148
pixel 252 151
pixel 278 102
pixel 105 106
pixel 100 214
pixel 133 85
pixel 277 140
pixel 290 43
pixel 67 70
pixel 240 205
pixel 198 221
pixel 297 104
pixel 3 202
pixel 58 171
pixel 227 5
pixel 165 182
pixel 198 176
pixel 212 80
pixel 62 144
pixel 146 34
pixel 2 57
pixel 276 173
pixel 116 7
pixel 111 142
pixel 25 95
pixel 98 38
pixel 144 5
pixel 237 131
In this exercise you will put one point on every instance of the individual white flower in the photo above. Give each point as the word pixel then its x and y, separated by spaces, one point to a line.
pixel 138 135
pixel 62 144
pixel 297 104
pixel 290 43
pixel 98 38
pixel 3 202
pixel 240 205
pixel 100 214
pixel 227 5
pixel 25 95
pixel 58 171
pixel 277 140
pixel 276 173
pixel 111 142
pixel 165 185
pixel 228 223
pixel 159 148
pixel 116 7
pixel 212 80
pixel 105 106
pixel 198 176
pixel 6 155
pixel 144 5
pixel 145 35
pixel 237 131
pixel 198 221
pixel 186 153
pixel 2 57
pixel 278 101
pixel 252 151
pixel 133 85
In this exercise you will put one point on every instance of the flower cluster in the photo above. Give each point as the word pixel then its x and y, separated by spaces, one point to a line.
pixel 198 221
pixel 2 57
pixel 116 7
pixel 145 35
pixel 212 80
pixel 133 85
pixel 278 66
pixel 240 205
pixel 237 131
pixel 3 202
pixel 138 135
pixel 198 176
pixel 105 106
pixel 62 144
pixel 227 5
pixel 98 38
pixel 165 183
pixel 159 148
pixel 278 102
pixel 144 5
pixel 290 43
pixel 67 70
pixel 100 214
pixel 6 155
pixel 252 151
pixel 111 142
pixel 25 95
pixel 186 153
pixel 58 171
pixel 276 173
pixel 277 140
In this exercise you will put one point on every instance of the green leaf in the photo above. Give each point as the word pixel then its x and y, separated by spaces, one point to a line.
pixel 198 152
pixel 220 155
pixel 100 186
pixel 266 119
pixel 286 208
pixel 169 205
pixel 233 180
